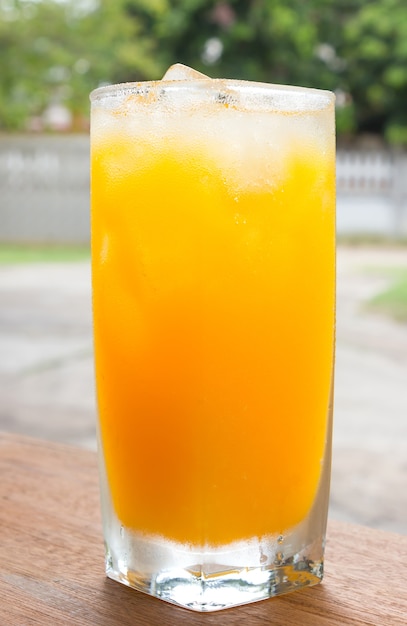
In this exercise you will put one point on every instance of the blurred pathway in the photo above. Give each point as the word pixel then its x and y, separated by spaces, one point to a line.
pixel 369 480
pixel 46 369
pixel 47 389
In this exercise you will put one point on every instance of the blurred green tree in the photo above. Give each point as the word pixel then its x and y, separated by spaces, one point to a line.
pixel 56 52
pixel 280 41
pixel 374 43
pixel 59 50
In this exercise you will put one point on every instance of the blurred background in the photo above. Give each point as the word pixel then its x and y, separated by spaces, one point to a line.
pixel 54 52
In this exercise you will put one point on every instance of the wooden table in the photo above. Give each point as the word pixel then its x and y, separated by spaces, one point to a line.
pixel 52 566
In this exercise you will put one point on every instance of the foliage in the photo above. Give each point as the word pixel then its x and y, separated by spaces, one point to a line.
pixel 58 51
pixel 375 46
pixel 54 52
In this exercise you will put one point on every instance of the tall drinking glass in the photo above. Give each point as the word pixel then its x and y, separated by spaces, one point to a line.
pixel 213 252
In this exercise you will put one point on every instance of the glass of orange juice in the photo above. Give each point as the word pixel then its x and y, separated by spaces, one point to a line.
pixel 213 254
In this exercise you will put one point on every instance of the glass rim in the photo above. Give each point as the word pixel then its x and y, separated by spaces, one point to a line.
pixel 305 98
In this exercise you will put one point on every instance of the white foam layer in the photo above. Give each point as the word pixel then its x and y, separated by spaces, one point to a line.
pixel 251 149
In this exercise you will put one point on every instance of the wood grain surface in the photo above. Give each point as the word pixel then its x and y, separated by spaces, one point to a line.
pixel 52 564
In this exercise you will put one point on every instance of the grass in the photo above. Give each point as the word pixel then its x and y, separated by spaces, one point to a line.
pixel 393 301
pixel 10 253
pixel 360 241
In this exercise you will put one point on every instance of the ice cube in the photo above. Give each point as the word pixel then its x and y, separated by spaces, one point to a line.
pixel 178 71
pixel 225 96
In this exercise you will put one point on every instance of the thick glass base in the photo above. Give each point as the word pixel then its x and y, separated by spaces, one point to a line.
pixel 212 577
pixel 214 580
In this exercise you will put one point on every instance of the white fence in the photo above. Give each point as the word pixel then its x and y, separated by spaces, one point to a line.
pixel 44 190
pixel 364 172
pixel 372 193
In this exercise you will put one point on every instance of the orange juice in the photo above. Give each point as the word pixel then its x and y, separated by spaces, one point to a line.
pixel 213 280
